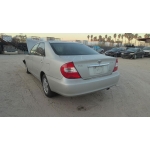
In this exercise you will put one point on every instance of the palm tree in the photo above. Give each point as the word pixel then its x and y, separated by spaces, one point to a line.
pixel 106 36
pixel 115 35
pixel 129 36
pixel 91 37
pixel 122 37
pixel 125 35
pixel 88 37
pixel 135 37
pixel 100 38
pixel 139 37
pixel 119 36
pixel 95 38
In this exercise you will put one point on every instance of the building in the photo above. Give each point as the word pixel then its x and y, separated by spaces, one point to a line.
pixel 146 41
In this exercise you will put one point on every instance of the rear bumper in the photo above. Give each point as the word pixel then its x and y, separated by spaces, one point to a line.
pixel 76 87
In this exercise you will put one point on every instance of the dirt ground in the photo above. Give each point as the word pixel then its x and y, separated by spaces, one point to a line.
pixel 21 95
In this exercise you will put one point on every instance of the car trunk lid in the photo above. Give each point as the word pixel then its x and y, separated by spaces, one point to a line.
pixel 92 66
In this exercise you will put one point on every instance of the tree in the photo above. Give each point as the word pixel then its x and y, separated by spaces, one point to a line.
pixel 122 37
pixel 95 38
pixel 129 36
pixel 119 36
pixel 100 38
pixel 146 36
pixel 115 36
pixel 135 37
pixel 139 37
pixel 106 36
pixel 91 37
pixel 88 37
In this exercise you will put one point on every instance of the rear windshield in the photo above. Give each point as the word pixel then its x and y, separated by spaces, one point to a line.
pixel 114 49
pixel 132 49
pixel 72 49
pixel 146 48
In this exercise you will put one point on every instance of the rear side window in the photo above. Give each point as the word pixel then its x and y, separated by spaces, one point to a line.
pixel 33 50
pixel 41 49
pixel 72 49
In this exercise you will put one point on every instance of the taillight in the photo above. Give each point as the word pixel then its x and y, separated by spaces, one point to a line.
pixel 116 66
pixel 69 71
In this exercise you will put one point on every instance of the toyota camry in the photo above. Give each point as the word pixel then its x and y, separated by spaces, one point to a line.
pixel 70 69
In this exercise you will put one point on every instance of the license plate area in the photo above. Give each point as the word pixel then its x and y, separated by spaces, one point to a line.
pixel 98 70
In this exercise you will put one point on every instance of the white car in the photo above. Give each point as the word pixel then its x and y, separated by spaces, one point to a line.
pixel 146 51
pixel 70 69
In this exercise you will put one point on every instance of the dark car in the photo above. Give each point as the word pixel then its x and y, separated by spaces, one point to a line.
pixel 115 52
pixel 98 49
pixel 133 53
pixel 146 51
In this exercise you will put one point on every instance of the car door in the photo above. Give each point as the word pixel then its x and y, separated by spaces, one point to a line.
pixel 38 59
pixel 141 53
pixel 29 58
pixel 138 53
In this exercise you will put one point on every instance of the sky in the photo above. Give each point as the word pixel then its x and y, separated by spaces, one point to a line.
pixel 69 36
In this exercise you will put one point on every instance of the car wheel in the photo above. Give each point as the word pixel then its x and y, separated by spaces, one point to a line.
pixel 27 70
pixel 46 87
pixel 135 56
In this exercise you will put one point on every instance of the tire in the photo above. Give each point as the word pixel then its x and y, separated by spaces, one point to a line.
pixel 134 56
pixel 46 87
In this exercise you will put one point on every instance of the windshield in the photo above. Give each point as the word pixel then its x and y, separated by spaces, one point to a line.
pixel 146 48
pixel 132 50
pixel 72 49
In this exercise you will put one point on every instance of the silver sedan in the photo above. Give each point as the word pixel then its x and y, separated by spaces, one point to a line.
pixel 70 69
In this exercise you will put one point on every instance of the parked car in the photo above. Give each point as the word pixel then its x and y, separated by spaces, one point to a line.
pixel 70 69
pixel 10 50
pixel 98 49
pixel 133 53
pixel 115 52
pixel 146 51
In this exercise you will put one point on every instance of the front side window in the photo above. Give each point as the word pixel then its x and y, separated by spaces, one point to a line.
pixel 33 50
pixel 72 49
pixel 41 49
